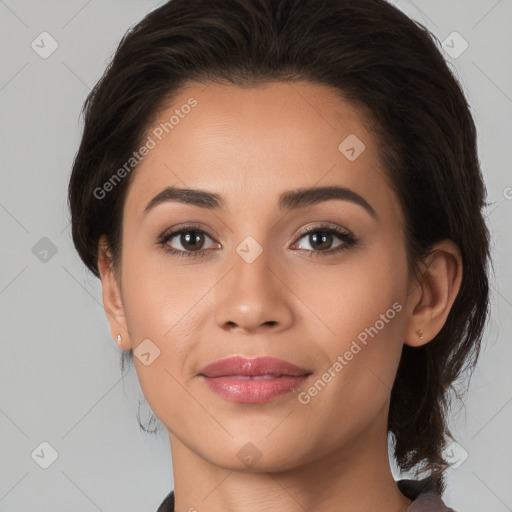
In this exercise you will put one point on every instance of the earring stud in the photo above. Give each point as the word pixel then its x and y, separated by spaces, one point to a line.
pixel 420 334
pixel 119 338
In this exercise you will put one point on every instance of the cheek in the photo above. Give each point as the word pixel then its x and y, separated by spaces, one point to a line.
pixel 163 307
pixel 362 303
pixel 355 382
pixel 158 297
pixel 348 298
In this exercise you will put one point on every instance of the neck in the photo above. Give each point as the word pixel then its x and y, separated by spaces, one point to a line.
pixel 354 477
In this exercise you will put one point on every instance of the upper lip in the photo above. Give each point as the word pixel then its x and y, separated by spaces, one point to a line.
pixel 240 365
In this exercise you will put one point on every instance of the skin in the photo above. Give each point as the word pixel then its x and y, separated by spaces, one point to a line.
pixel 250 145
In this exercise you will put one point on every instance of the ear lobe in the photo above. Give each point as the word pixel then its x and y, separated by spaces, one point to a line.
pixel 439 285
pixel 111 294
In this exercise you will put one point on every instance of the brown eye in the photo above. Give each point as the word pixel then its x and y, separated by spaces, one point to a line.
pixel 187 241
pixel 191 240
pixel 321 240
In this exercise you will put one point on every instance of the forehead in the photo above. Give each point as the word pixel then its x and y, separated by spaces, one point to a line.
pixel 250 144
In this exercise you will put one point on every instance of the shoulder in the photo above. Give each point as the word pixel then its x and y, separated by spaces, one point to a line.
pixel 168 503
pixel 425 498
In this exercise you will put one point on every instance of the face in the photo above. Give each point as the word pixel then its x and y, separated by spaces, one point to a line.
pixel 266 267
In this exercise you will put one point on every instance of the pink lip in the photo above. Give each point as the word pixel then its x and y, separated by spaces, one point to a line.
pixel 236 378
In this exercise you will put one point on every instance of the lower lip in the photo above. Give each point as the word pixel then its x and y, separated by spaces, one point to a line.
pixel 253 390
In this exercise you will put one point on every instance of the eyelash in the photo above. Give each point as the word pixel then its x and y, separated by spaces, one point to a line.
pixel 344 235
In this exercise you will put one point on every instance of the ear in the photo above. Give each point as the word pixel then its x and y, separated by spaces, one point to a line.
pixel 111 293
pixel 430 302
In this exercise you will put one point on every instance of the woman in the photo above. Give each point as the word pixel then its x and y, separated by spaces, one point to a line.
pixel 283 202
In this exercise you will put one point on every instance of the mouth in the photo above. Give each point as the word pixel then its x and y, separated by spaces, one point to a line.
pixel 253 380
pixel 241 366
pixel 253 377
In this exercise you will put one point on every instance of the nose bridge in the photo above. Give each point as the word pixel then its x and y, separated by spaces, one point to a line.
pixel 252 296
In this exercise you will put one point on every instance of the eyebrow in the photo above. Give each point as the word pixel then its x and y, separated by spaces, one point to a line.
pixel 289 200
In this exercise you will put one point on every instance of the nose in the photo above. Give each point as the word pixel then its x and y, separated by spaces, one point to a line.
pixel 254 297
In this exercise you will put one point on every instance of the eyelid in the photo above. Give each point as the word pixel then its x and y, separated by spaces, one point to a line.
pixel 188 226
pixel 327 225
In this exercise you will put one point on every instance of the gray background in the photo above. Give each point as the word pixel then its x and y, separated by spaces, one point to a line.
pixel 60 380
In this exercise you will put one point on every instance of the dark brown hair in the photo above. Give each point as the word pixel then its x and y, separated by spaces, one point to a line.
pixel 388 66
